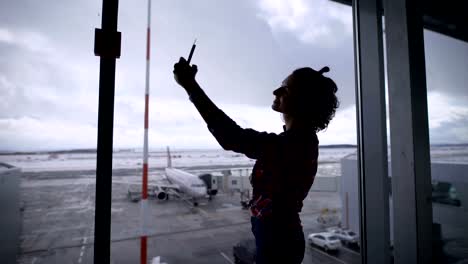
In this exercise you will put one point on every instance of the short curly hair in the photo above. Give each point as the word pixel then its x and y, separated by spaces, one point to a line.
pixel 313 97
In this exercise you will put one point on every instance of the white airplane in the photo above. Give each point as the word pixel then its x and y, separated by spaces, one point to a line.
pixel 183 185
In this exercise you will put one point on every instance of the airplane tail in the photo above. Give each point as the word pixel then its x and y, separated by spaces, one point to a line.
pixel 169 158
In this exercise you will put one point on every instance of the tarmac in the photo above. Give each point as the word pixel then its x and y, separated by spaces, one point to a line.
pixel 58 224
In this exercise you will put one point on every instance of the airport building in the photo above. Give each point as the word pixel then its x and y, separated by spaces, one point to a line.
pixel 10 222
pixel 449 203
pixel 238 180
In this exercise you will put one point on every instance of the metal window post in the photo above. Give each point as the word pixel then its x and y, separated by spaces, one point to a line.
pixel 372 133
pixel 411 177
pixel 107 46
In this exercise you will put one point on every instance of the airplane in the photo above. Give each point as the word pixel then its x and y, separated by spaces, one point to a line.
pixel 183 185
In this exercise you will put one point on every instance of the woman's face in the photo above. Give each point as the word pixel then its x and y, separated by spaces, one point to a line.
pixel 280 103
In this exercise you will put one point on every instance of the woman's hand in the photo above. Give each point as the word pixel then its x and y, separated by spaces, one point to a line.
pixel 184 74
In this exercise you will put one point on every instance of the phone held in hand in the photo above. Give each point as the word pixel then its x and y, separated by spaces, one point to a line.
pixel 192 51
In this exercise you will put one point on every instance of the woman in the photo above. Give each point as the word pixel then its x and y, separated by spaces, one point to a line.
pixel 286 163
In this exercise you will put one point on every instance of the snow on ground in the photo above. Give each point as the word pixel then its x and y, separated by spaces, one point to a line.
pixel 329 159
pixel 133 159
pixel 122 160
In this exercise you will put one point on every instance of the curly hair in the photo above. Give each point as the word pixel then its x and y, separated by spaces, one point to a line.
pixel 313 97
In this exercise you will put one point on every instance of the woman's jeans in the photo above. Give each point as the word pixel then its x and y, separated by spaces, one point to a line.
pixel 277 244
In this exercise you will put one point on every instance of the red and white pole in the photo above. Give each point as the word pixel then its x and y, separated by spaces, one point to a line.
pixel 144 192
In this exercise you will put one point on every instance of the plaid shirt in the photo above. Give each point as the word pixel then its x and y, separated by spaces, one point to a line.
pixel 285 166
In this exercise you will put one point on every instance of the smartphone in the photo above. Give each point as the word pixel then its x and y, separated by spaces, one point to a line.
pixel 192 51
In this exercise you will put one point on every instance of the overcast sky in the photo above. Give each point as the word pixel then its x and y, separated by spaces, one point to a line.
pixel 49 74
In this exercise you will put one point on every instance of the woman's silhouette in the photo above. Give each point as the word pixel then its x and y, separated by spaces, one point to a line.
pixel 286 163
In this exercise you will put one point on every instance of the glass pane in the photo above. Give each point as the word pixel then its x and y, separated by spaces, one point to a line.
pixel 446 68
pixel 48 118
pixel 244 52
pixel 245 49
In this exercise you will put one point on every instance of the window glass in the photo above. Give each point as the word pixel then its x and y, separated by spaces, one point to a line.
pixel 446 68
pixel 48 130
pixel 49 88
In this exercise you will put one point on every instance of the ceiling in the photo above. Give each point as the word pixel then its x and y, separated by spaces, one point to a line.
pixel 449 17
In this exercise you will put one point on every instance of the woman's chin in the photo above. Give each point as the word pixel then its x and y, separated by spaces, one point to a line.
pixel 275 107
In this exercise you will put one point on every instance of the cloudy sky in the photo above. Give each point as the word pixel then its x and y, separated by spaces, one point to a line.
pixel 49 74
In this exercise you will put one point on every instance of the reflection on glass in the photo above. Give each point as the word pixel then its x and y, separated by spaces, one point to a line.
pixel 444 193
pixel 450 215
pixel 448 123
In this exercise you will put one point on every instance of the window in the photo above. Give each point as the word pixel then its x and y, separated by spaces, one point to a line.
pixel 447 99
pixel 58 161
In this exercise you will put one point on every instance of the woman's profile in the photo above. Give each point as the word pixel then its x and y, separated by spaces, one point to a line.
pixel 286 163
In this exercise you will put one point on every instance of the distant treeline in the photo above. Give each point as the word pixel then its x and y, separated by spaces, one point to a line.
pixel 48 152
pixel 71 151
pixel 338 146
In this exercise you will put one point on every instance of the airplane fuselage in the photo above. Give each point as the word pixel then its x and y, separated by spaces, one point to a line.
pixel 188 183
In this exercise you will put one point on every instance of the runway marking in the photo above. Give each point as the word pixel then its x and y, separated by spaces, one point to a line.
pixel 328 255
pixel 226 257
pixel 85 238
pixel 83 247
pixel 351 251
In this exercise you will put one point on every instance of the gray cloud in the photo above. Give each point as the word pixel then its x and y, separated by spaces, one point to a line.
pixel 49 74
pixel 446 64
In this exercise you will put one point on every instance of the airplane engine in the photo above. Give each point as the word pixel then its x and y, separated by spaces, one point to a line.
pixel 162 195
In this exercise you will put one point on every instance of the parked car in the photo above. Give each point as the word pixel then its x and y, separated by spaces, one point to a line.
pixel 346 236
pixel 326 240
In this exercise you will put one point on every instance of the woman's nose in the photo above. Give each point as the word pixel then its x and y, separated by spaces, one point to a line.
pixel 275 92
pixel 278 91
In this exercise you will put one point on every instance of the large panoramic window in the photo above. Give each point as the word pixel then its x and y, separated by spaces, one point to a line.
pixel 198 193
pixel 48 117
pixel 447 96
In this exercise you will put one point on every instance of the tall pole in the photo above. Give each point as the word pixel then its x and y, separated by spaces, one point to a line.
pixel 107 47
pixel 144 192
